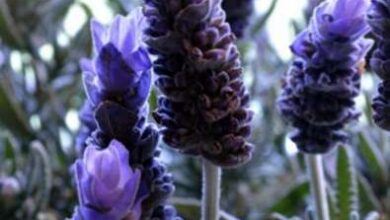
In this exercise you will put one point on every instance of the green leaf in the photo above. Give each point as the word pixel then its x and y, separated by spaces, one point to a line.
pixel 374 159
pixel 367 199
pixel 346 185
pixel 292 200
pixel 11 152
pixel 187 208
pixel 12 116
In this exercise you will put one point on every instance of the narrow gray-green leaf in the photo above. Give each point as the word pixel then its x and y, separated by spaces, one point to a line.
pixel 11 152
pixel 292 200
pixel 368 202
pixel 346 184
pixel 375 160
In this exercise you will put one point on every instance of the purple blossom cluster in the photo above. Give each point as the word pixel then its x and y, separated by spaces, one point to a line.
pixel 118 176
pixel 379 20
pixel 203 109
pixel 320 87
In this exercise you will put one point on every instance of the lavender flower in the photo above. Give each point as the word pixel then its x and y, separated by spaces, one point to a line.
pixel 238 13
pixel 107 186
pixel 117 83
pixel 204 106
pixel 379 18
pixel 319 89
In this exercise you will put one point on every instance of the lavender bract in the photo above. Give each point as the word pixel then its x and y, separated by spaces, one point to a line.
pixel 320 87
pixel 238 13
pixel 117 83
pixel 379 20
pixel 204 107
pixel 107 186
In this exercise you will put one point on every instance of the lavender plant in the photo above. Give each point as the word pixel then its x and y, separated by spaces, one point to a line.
pixel 378 17
pixel 203 109
pixel 119 176
pixel 320 87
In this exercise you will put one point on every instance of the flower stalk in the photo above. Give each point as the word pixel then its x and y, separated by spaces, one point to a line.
pixel 318 185
pixel 211 191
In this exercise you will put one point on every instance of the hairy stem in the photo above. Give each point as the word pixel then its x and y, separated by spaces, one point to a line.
pixel 211 191
pixel 318 186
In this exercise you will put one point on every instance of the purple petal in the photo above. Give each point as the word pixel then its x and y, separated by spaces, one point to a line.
pixel 127 200
pixel 136 23
pixel 91 88
pixel 139 60
pixel 98 34
pixel 300 47
pixel 83 181
pixel 89 214
pixel 114 74
pixel 142 91
pixel 86 65
pixel 115 31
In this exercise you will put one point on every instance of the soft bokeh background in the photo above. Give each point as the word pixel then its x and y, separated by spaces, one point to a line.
pixel 41 42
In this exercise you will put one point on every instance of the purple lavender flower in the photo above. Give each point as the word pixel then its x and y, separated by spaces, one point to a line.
pixel 117 82
pixel 122 67
pixel 238 13
pixel 319 89
pixel 379 18
pixel 203 109
pixel 108 188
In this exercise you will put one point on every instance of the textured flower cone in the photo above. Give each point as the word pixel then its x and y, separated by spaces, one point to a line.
pixel 117 83
pixel 379 20
pixel 203 109
pixel 238 13
pixel 320 87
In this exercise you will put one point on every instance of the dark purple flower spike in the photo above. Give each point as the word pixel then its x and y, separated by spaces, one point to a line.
pixel 117 83
pixel 320 87
pixel 379 20
pixel 203 110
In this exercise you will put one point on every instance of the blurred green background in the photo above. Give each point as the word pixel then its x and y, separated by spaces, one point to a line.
pixel 41 42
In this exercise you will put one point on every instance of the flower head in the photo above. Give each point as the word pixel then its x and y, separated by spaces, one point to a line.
pixel 379 20
pixel 320 87
pixel 122 62
pixel 117 83
pixel 340 19
pixel 107 186
pixel 204 105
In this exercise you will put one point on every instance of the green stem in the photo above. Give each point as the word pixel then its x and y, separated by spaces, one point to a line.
pixel 318 185
pixel 211 191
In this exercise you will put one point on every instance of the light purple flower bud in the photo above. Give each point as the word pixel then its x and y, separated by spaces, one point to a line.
pixel 340 19
pixel 108 187
pixel 121 59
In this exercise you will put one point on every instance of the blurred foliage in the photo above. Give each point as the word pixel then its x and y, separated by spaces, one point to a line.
pixel 41 91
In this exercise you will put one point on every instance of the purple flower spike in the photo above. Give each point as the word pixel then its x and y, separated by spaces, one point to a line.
pixel 117 83
pixel 204 107
pixel 107 186
pixel 379 20
pixel 320 87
